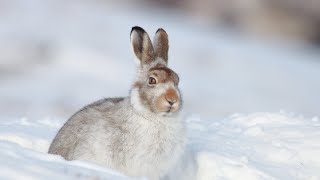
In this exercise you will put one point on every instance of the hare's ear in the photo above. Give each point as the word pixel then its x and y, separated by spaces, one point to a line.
pixel 141 45
pixel 161 44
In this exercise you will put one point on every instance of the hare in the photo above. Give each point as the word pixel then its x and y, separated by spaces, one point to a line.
pixel 140 135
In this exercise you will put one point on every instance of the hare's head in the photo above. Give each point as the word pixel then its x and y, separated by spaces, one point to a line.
pixel 156 87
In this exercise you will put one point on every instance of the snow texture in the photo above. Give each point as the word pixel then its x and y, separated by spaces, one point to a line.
pixel 256 146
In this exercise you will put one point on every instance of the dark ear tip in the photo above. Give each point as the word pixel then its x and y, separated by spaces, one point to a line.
pixel 160 29
pixel 138 29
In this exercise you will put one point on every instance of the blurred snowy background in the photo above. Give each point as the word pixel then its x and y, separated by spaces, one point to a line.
pixel 56 56
pixel 233 56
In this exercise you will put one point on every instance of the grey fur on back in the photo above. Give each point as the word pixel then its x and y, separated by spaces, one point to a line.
pixel 76 126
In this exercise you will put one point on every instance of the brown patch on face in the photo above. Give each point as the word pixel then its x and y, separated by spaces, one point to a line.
pixel 171 95
pixel 164 74
pixel 168 100
pixel 162 103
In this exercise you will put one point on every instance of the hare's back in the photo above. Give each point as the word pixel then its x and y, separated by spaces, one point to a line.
pixel 106 112
pixel 93 120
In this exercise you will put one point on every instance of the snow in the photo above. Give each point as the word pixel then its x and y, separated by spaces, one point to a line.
pixel 259 146
pixel 255 146
pixel 239 92
pixel 23 155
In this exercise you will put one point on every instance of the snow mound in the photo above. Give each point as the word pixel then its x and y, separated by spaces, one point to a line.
pixel 23 154
pixel 255 146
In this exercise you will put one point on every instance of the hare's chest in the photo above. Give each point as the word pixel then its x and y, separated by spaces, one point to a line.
pixel 155 146
pixel 156 137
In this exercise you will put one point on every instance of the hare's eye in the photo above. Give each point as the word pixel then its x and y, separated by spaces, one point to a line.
pixel 152 80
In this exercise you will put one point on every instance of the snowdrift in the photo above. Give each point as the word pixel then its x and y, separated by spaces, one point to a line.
pixel 252 147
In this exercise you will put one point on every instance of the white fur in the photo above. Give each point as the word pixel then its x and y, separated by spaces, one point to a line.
pixel 136 102
pixel 161 132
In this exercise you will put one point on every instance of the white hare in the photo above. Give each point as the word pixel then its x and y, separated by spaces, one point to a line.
pixel 140 135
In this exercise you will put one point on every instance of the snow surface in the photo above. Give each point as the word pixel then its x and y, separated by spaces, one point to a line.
pixel 57 56
pixel 253 147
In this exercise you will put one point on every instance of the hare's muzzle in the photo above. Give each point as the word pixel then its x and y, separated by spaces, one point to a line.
pixel 172 99
pixel 171 96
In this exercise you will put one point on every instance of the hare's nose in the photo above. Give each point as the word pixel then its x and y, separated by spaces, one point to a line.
pixel 171 102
